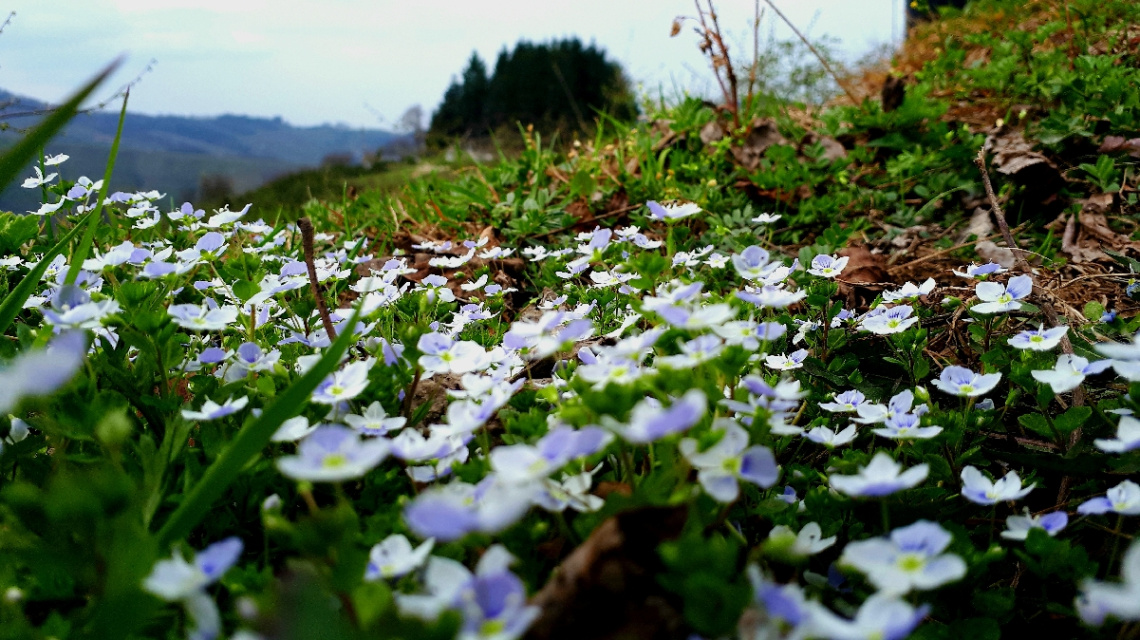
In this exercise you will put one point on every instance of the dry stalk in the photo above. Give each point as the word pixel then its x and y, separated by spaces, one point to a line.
pixel 818 55
pixel 1043 297
pixel 305 226
pixel 712 45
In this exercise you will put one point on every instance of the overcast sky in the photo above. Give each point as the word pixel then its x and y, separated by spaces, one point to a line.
pixel 363 62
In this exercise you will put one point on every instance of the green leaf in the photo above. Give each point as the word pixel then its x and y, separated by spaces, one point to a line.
pixel 252 438
pixel 1073 418
pixel 16 230
pixel 244 290
pixel 1036 423
pixel 15 299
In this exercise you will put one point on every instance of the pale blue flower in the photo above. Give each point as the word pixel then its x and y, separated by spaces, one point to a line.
pixel 1120 600
pixel 211 410
pixel 911 558
pixel 960 381
pixel 334 453
pixel 881 477
pixel 42 371
pixel 1039 339
pixel 394 556
pixel 672 212
pixel 1069 372
pixel 883 617
pixel 1127 437
pixel 721 465
pixel 1018 527
pixel 998 299
pixel 979 489
pixel 1124 499
pixel 826 266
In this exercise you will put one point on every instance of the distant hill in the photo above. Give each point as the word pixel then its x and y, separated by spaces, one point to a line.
pixel 174 154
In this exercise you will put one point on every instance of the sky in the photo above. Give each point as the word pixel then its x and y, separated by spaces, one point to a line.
pixel 362 63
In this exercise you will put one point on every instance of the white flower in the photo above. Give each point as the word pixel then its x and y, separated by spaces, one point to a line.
pixel 808 542
pixel 344 384
pixel 1127 437
pixel 998 299
pixel 830 438
pixel 1018 527
pixel 911 558
pixel 910 291
pixel 375 421
pixel 394 557
pixel 671 212
pixel 979 489
pixel 1098 600
pixel 882 476
pixel 1069 372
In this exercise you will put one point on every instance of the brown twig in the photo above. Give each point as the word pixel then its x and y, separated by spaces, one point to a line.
pixel 818 55
pixel 1042 296
pixel 305 226
pixel 720 60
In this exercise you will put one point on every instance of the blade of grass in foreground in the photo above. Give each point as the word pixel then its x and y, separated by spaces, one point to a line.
pixel 14 301
pixel 12 162
pixel 81 251
pixel 250 441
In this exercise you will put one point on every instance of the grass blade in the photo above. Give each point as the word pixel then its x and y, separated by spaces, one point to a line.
pixel 12 162
pixel 84 247
pixel 250 441
pixel 14 301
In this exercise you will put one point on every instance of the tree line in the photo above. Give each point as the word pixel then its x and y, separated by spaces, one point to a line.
pixel 559 86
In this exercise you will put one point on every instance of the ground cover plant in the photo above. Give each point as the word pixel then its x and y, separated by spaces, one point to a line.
pixel 756 370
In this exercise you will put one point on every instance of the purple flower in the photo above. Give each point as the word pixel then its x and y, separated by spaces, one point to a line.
pixel 649 421
pixel 334 453
pixel 42 371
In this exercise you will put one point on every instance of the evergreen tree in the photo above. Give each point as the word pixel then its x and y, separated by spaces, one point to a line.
pixel 561 85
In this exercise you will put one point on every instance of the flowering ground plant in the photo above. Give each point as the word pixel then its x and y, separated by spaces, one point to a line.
pixel 219 425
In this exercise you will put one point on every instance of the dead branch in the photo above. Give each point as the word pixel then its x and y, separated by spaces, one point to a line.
pixel 818 55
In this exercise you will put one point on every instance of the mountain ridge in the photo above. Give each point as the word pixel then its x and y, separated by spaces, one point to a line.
pixel 173 154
